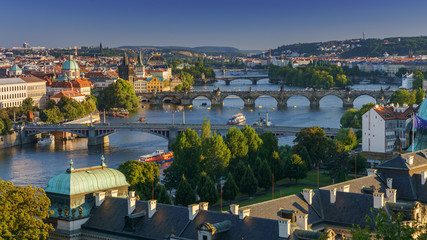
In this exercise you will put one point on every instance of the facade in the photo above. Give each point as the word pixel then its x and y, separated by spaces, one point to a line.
pixel 12 92
pixel 155 84
pixel 70 94
pixel 126 70
pixel 140 85
pixel 381 126
pixel 36 89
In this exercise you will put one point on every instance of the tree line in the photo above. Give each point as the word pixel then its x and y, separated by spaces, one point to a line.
pixel 317 74
pixel 67 109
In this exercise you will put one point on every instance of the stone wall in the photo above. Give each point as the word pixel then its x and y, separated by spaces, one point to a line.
pixel 14 139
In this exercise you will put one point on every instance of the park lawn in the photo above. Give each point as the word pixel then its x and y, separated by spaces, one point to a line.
pixel 294 189
pixel 311 178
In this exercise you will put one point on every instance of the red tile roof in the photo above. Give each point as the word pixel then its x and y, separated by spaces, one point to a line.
pixel 388 113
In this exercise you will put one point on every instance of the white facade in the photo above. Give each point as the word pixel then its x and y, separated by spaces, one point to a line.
pixel 12 92
pixel 379 134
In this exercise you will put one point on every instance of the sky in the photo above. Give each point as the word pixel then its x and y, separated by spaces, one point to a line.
pixel 247 25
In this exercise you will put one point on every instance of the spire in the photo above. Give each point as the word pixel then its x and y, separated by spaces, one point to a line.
pixel 71 166
pixel 140 59
pixel 125 60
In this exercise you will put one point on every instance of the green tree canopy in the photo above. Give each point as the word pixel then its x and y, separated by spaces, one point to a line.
pixel 52 115
pixel 239 171
pixel 184 195
pixel 418 79
pixel 347 137
pixel 187 151
pixel 264 175
pixel 366 107
pixel 351 119
pixel 161 194
pixel 295 168
pixel 119 94
pixel 316 143
pixel 419 96
pixel 207 190
pixel 248 184
pixel 236 143
pixel 230 189
pixel 269 144
pixel 252 138
pixel 141 176
pixel 215 156
pixel 402 96
pixel 206 129
pixel 337 161
pixel 23 211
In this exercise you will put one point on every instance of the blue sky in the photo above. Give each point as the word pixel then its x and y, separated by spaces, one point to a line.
pixel 246 24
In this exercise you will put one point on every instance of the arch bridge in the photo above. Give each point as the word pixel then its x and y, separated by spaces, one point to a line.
pixel 249 97
pixel 98 133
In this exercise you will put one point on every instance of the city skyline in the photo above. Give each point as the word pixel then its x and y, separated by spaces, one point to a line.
pixel 247 25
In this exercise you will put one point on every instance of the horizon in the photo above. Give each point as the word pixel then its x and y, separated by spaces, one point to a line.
pixel 248 25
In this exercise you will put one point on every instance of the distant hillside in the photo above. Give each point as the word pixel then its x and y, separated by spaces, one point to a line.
pixel 202 49
pixel 359 48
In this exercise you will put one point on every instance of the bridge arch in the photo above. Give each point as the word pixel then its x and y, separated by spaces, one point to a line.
pixel 266 100
pixel 298 100
pixel 200 99
pixel 363 99
pixel 233 99
pixel 331 99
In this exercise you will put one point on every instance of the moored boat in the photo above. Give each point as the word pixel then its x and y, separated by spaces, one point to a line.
pixel 48 139
pixel 158 157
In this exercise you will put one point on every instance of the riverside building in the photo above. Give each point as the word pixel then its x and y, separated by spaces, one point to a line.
pixel 12 92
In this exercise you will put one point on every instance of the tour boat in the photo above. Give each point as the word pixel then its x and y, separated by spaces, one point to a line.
pixel 236 119
pixel 46 140
pixel 158 157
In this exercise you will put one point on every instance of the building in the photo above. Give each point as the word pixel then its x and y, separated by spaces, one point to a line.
pixel 381 126
pixel 93 203
pixel 155 84
pixel 12 92
pixel 15 71
pixel 70 94
pixel 126 70
pixel 36 89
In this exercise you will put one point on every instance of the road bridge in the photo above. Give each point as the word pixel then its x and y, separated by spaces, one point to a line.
pixel 98 133
pixel 282 96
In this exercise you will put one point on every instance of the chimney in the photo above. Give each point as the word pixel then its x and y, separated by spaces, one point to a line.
pixel 152 208
pixel 391 195
pixel 308 195
pixel 114 193
pixel 302 220
pixel 390 182
pixel 372 171
pixel 203 206
pixel 99 198
pixel 409 160
pixel 423 177
pixel 345 188
pixel 131 202
pixel 284 228
pixel 244 213
pixel 234 209
pixel 378 200
pixel 193 209
pixel 333 195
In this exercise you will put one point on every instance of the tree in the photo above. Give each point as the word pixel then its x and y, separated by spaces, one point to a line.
pixel 269 144
pixel 264 175
pixel 253 141
pixel 337 161
pixel 316 143
pixel 419 96
pixel 27 105
pixel 295 168
pixel 418 79
pixel 350 119
pixel 141 176
pixel 230 189
pixel 119 94
pixel 184 194
pixel 161 194
pixel 206 130
pixel 215 157
pixel 23 210
pixel 366 107
pixel 187 150
pixel 52 115
pixel 360 161
pixel 401 71
pixel 402 96
pixel 187 80
pixel 249 184
pixel 239 171
pixel 236 143
pixel 347 137
pixel 207 190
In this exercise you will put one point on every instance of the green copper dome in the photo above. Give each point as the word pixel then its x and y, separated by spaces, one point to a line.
pixel 15 68
pixel 70 65
pixel 86 180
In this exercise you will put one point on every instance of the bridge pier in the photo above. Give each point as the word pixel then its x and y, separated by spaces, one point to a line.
pixel 93 139
pixel 173 134
pixel 314 104
pixel 249 103
pixel 282 105
pixel 227 82
pixel 347 105
pixel 254 82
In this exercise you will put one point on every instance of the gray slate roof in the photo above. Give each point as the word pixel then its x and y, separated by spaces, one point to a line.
pixel 6 81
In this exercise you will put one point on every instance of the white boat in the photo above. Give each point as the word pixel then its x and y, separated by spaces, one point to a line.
pixel 46 140
pixel 407 80
pixel 236 119
pixel 263 121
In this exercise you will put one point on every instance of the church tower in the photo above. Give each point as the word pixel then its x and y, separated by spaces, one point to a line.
pixel 126 70
pixel 140 68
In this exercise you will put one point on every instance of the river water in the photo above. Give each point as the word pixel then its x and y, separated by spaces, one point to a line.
pixel 35 165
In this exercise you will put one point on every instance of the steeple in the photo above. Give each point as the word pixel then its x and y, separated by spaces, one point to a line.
pixel 125 60
pixel 140 59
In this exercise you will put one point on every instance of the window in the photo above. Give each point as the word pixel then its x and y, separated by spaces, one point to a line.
pixel 205 237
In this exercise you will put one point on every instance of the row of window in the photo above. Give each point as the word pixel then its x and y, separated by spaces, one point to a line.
pixel 36 87
pixel 13 96
pixel 11 104
pixel 13 88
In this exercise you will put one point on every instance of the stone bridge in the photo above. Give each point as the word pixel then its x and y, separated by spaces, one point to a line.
pixel 217 97
pixel 98 133
pixel 254 79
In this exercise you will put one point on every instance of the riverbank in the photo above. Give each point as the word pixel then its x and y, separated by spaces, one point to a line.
pixel 14 139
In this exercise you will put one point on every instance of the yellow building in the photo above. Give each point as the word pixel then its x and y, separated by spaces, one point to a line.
pixel 155 84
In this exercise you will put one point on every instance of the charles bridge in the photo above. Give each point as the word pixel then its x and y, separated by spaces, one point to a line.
pixel 216 97
pixel 98 133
